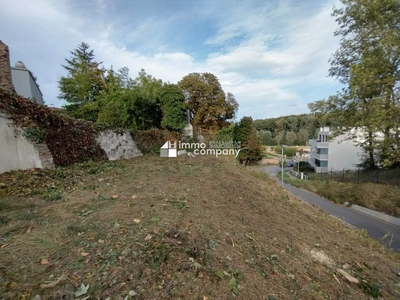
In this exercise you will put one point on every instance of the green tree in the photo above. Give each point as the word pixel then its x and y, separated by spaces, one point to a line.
pixel 246 134
pixel 303 136
pixel 83 84
pixel 209 106
pixel 118 109
pixel 173 107
pixel 279 137
pixel 148 112
pixel 265 137
pixel 290 137
pixel 225 134
pixel 368 63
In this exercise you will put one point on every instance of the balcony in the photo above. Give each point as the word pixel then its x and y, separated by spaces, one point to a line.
pixel 319 144
pixel 320 156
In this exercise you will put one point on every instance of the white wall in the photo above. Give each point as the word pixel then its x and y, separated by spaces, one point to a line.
pixel 16 152
pixel 343 153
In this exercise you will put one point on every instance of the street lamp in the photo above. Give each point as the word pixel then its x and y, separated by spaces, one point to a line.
pixel 283 146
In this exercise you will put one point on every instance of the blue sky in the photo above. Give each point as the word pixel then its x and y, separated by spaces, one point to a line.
pixel 272 55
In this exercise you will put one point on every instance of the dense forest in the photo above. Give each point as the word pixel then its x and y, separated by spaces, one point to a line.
pixel 288 130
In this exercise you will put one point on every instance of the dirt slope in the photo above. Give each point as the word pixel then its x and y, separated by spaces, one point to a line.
pixel 154 228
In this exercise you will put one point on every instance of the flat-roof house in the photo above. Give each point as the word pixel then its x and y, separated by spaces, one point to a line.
pixel 336 153
pixel 24 83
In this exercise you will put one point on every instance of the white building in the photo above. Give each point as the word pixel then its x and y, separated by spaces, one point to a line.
pixel 24 83
pixel 336 153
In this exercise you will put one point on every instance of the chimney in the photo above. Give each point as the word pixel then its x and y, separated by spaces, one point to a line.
pixel 5 70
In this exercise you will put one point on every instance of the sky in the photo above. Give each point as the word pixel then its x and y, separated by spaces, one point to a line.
pixel 273 55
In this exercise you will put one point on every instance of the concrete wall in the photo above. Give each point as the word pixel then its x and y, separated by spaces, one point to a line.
pixel 17 152
pixel 117 145
pixel 25 86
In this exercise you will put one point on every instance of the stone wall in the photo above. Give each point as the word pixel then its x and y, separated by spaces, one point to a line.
pixel 118 145
pixel 5 70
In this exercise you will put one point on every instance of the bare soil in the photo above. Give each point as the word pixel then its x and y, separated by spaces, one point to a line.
pixel 154 228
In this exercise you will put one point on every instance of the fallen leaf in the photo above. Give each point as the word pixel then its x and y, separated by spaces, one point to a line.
pixel 136 221
pixel 155 219
pixel 54 283
pixel 115 196
pixel 84 254
pixel 133 196
pixel 232 282
pixel 219 274
pixel 82 290
pixel 44 261
pixel 148 237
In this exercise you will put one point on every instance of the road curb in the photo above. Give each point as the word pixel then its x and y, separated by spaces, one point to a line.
pixel 377 214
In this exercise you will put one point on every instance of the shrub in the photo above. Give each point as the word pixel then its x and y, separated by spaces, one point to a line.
pixel 150 141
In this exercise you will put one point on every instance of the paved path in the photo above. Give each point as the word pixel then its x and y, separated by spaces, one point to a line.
pixel 376 228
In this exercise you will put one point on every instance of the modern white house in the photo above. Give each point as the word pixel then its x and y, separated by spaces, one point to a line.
pixel 336 153
pixel 24 83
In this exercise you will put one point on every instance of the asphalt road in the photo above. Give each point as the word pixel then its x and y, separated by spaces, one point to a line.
pixel 376 228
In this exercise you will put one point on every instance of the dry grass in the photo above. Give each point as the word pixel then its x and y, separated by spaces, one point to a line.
pixel 179 229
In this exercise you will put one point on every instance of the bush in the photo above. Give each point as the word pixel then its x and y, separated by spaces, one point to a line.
pixel 288 151
pixel 150 141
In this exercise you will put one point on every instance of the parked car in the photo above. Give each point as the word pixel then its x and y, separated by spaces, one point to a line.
pixel 289 164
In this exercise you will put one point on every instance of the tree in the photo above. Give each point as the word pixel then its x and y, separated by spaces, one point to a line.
pixel 225 134
pixel 290 137
pixel 148 113
pixel 118 109
pixel 368 63
pixel 303 136
pixel 265 137
pixel 209 106
pixel 173 107
pixel 83 84
pixel 279 137
pixel 246 134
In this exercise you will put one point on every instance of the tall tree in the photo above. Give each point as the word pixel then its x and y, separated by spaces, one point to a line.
pixel 303 136
pixel 209 106
pixel 368 63
pixel 173 107
pixel 290 137
pixel 83 84
pixel 246 134
pixel 148 106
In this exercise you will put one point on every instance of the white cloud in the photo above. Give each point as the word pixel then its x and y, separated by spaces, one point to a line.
pixel 266 53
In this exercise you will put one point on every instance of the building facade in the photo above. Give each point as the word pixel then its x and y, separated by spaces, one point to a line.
pixel 330 153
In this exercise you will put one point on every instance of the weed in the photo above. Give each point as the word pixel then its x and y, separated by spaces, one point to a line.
pixel 52 194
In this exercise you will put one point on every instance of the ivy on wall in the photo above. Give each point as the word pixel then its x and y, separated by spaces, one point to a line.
pixel 69 140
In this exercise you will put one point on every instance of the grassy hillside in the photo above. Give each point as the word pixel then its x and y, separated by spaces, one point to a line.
pixel 153 228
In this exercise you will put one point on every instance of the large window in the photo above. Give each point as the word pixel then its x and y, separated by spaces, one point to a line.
pixel 321 163
pixel 322 150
